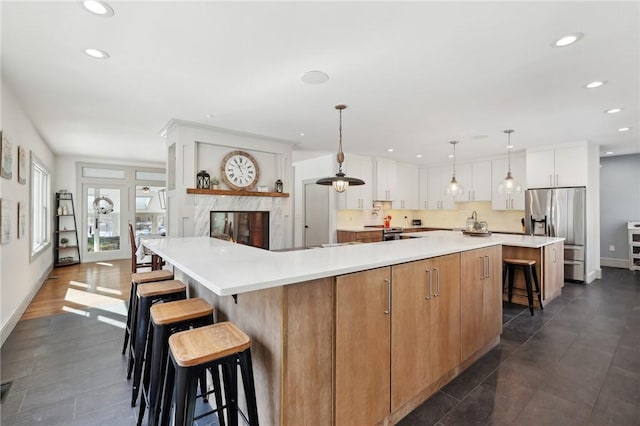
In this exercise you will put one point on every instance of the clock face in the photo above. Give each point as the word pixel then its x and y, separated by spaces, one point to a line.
pixel 240 170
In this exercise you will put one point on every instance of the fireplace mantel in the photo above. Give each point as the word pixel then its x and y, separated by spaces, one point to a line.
pixel 236 193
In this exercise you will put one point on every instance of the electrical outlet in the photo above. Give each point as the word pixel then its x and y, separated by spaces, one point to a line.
pixel 612 248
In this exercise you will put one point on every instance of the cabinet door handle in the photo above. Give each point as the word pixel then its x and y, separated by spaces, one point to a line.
pixel 482 263
pixel 428 272
pixel 388 281
pixel 550 180
pixel 506 204
pixel 555 258
pixel 557 180
pixel 488 267
pixel 437 293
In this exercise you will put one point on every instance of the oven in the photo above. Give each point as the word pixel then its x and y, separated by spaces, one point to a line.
pixel 391 233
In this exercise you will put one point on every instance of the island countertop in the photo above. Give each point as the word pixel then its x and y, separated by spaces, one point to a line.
pixel 228 268
pixel 529 241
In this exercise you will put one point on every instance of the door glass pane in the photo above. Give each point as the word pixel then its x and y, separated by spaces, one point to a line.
pixel 103 219
pixel 150 210
pixel 96 172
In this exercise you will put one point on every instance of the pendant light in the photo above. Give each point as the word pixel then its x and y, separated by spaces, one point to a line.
pixel 340 181
pixel 509 185
pixel 454 188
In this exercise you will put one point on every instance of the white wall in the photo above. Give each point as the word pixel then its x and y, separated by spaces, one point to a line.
pixel 619 204
pixel 21 276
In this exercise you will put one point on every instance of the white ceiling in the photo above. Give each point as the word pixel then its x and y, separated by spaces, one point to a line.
pixel 414 75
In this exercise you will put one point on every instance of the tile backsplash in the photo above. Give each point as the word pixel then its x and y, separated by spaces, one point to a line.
pixel 498 220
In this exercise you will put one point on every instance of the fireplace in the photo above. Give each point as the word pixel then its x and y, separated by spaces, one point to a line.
pixel 250 228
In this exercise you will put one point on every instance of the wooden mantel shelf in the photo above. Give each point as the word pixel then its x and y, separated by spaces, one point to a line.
pixel 231 192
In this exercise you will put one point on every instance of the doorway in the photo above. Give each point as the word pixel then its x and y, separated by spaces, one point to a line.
pixel 104 232
pixel 316 214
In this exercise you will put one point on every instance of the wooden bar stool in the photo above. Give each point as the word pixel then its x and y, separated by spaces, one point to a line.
pixel 167 319
pixel 141 278
pixel 222 344
pixel 147 295
pixel 529 268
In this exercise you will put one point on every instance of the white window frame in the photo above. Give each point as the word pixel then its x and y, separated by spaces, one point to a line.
pixel 41 219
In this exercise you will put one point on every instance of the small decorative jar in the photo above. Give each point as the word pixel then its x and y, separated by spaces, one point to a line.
pixel 279 186
pixel 203 180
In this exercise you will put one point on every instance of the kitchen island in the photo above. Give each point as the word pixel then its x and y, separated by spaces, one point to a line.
pixel 354 334
pixel 548 252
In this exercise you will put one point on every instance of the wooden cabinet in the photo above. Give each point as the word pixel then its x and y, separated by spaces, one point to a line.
pixel 385 179
pixel 480 298
pixel 557 166
pixel 500 201
pixel 552 279
pixel 425 324
pixel 362 361
pixel 358 197
pixel 360 236
pixel 407 181
pixel 437 179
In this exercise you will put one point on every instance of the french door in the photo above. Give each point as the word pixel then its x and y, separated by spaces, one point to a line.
pixel 105 218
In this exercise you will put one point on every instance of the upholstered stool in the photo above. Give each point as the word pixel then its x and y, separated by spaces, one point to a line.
pixel 529 269
pixel 167 319
pixel 141 278
pixel 147 295
pixel 218 345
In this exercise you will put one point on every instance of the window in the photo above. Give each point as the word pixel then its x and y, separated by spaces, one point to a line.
pixel 40 206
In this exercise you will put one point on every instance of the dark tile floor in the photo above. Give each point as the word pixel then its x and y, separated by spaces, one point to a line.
pixel 575 363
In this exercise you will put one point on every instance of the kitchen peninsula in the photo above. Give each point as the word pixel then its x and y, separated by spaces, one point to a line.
pixel 418 311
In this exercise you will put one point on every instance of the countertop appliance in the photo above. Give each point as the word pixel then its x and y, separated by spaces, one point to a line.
pixel 391 233
pixel 560 212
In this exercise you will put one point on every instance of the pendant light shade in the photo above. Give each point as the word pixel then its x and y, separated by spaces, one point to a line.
pixel 340 181
pixel 509 185
pixel 454 188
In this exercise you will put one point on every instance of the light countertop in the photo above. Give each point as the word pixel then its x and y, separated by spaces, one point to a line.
pixel 530 241
pixel 227 268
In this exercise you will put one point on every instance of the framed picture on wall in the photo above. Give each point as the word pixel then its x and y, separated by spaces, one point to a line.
pixel 5 221
pixel 6 157
pixel 22 165
pixel 22 220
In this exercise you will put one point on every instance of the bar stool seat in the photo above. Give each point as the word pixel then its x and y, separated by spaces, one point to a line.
pixel 140 278
pixel 528 267
pixel 222 344
pixel 148 294
pixel 166 319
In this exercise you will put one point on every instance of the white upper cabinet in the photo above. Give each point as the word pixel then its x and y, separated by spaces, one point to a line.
pixel 407 182
pixel 357 197
pixel 476 179
pixel 437 179
pixel 558 166
pixel 385 179
pixel 500 201
pixel 423 189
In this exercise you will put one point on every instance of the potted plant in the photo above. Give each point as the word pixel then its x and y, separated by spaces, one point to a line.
pixel 64 241
pixel 214 183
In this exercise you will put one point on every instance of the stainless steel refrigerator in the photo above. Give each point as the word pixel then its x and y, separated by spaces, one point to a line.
pixel 560 212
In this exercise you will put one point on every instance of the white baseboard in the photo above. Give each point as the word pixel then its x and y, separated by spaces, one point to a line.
pixel 8 327
pixel 614 263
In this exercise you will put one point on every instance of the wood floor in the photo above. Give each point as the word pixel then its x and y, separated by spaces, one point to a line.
pixel 78 287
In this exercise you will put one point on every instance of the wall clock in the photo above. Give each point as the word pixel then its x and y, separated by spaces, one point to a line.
pixel 239 170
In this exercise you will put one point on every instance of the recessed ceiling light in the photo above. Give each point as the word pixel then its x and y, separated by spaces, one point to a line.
pixel 389 149
pixel 608 153
pixel 595 84
pixel 624 129
pixel 568 39
pixel 419 155
pixel 96 53
pixel 98 7
pixel 209 115
pixel 301 134
pixel 509 146
pixel 450 156
pixel 612 110
pixel 315 77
